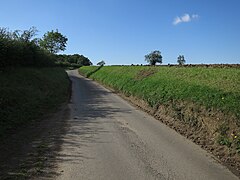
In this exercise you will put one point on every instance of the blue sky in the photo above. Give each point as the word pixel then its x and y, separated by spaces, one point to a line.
pixel 123 31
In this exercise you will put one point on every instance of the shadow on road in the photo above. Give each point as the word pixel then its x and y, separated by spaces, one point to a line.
pixel 91 107
pixel 37 150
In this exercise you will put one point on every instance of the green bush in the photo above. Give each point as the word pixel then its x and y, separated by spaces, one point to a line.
pixel 16 51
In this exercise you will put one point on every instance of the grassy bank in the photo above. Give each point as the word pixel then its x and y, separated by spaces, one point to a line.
pixel 26 94
pixel 212 87
pixel 198 96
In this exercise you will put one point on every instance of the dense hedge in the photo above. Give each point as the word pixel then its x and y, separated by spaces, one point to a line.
pixel 19 53
pixel 20 48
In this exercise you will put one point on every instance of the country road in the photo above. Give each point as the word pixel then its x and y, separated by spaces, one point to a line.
pixel 109 139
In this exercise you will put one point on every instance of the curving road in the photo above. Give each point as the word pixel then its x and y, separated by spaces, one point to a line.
pixel 110 139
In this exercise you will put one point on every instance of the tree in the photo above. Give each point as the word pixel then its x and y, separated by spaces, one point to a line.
pixel 75 59
pixel 21 36
pixel 26 35
pixel 101 63
pixel 154 57
pixel 53 42
pixel 181 60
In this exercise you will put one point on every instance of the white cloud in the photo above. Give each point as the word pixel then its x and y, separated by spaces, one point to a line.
pixel 185 18
pixel 177 20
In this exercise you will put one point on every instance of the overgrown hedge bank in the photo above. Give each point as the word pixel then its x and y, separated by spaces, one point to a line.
pixel 15 53
pixel 30 83
pixel 21 48
pixel 26 94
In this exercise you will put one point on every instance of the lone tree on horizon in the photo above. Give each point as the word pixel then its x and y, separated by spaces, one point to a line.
pixel 181 60
pixel 154 57
pixel 101 63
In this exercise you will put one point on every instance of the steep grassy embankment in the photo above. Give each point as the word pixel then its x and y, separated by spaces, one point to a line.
pixel 26 94
pixel 207 99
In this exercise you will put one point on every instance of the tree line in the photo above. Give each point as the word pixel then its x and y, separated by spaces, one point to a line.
pixel 22 48
pixel 75 60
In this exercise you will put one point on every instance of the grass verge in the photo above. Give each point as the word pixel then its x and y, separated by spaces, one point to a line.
pixel 27 94
pixel 217 88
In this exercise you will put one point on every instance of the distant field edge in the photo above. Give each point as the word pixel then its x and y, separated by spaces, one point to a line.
pixel 199 102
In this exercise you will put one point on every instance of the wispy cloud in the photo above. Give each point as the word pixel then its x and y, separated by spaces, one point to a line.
pixel 185 18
